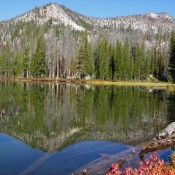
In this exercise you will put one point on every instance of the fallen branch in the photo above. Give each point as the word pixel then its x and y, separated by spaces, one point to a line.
pixel 101 165
pixel 155 145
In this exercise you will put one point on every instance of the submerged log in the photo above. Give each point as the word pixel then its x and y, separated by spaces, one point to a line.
pixel 100 166
pixel 164 139
pixel 37 164
pixel 127 158
pixel 155 145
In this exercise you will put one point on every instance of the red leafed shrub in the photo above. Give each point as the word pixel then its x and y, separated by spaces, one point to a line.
pixel 152 166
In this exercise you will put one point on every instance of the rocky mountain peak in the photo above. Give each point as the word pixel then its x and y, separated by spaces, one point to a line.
pixel 48 12
pixel 59 14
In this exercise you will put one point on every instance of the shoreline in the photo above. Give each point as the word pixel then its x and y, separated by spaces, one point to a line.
pixel 91 82
pixel 130 83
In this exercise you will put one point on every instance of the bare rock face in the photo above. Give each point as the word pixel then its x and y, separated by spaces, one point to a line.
pixel 52 12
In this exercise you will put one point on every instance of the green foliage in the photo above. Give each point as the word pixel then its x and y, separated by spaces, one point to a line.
pixel 17 65
pixel 85 57
pixel 137 61
pixel 103 59
pixel 26 62
pixel 38 62
pixel 5 62
pixel 81 60
pixel 172 58
pixel 112 62
pixel 126 60
pixel 118 61
pixel 90 61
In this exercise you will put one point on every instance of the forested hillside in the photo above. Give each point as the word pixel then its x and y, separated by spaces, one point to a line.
pixel 53 41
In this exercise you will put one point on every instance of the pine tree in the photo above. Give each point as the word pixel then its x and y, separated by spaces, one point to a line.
pixel 96 62
pixel 38 61
pixel 137 61
pixel 104 60
pixel 172 58
pixel 126 60
pixel 112 62
pixel 26 62
pixel 17 65
pixel 85 57
pixel 82 57
pixel 118 61
pixel 143 74
pixel 131 69
pixel 73 66
pixel 153 64
pixel 6 63
pixel 160 59
pixel 90 61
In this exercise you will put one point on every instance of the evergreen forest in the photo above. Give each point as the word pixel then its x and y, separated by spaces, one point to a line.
pixel 51 50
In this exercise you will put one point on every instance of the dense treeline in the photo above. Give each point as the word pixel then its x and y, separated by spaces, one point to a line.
pixel 124 61
pixel 31 50
pixel 172 58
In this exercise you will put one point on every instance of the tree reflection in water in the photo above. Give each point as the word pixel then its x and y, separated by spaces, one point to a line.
pixel 52 116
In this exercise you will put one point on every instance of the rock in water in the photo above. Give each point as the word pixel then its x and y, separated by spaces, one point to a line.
pixel 167 131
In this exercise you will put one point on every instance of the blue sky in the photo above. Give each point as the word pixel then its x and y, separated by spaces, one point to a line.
pixel 95 8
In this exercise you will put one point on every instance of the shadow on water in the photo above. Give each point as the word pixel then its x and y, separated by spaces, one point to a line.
pixel 55 117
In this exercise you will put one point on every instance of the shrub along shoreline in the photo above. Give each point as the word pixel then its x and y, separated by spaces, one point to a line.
pixel 152 166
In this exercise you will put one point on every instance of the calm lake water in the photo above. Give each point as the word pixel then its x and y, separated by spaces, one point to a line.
pixel 57 128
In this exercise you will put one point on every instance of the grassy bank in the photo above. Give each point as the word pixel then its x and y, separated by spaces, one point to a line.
pixel 128 83
pixel 166 85
pixel 169 87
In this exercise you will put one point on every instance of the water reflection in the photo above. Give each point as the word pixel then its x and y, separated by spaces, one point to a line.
pixel 17 158
pixel 53 116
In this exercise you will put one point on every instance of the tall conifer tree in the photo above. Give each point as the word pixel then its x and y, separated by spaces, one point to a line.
pixel 126 60
pixel 26 61
pixel 38 62
pixel 118 61
pixel 172 57
pixel 104 59
pixel 85 57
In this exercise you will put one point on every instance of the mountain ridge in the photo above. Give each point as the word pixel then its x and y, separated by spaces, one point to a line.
pixel 62 6
pixel 61 14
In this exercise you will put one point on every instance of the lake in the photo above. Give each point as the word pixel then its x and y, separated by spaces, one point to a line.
pixel 57 128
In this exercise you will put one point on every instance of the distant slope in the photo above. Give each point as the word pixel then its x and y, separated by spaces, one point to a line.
pixel 153 22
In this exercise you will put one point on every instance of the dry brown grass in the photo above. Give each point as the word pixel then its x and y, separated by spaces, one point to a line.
pixel 129 83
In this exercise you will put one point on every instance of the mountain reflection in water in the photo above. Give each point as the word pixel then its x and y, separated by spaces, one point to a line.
pixel 52 116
